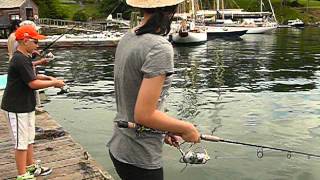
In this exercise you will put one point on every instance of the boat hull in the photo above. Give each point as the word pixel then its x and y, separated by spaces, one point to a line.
pixel 225 32
pixel 297 25
pixel 190 38
pixel 253 30
pixel 260 30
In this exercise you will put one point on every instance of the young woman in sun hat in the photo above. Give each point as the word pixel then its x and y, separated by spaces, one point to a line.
pixel 143 73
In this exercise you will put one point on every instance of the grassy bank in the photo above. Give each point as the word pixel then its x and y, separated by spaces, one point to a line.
pixel 90 9
pixel 292 10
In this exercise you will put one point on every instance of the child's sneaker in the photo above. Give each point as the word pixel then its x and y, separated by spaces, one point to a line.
pixel 38 170
pixel 43 171
pixel 31 169
pixel 26 176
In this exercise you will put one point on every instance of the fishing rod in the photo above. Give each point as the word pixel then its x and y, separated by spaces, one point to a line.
pixel 50 56
pixel 206 137
pixel 53 42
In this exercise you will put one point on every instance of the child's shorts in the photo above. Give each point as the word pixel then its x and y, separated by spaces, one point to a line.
pixel 22 128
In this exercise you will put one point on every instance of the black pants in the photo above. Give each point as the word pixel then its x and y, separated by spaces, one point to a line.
pixel 130 172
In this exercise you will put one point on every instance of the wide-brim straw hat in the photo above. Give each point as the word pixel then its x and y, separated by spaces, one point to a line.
pixel 152 3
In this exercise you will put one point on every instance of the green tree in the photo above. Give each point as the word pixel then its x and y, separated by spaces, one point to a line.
pixel 50 9
pixel 80 15
pixel 115 6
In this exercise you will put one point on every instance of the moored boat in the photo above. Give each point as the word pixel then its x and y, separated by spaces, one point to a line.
pixel 189 37
pixel 104 39
pixel 213 31
pixel 295 23
pixel 187 33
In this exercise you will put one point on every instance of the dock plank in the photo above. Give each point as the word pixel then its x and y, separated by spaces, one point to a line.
pixel 55 148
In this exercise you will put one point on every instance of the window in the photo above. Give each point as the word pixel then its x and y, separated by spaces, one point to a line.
pixel 14 17
pixel 29 13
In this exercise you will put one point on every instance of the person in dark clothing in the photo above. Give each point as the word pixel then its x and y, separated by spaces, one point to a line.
pixel 19 101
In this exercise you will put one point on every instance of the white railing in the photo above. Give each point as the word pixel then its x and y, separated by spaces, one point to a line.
pixel 78 25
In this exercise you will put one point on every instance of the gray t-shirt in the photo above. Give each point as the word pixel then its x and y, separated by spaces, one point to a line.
pixel 138 57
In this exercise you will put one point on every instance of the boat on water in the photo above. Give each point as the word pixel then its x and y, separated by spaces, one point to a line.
pixel 104 39
pixel 260 30
pixel 237 19
pixel 83 40
pixel 189 37
pixel 216 32
pixel 296 23
pixel 253 26
pixel 185 31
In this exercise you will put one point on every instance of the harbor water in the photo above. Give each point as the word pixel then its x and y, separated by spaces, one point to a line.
pixel 261 89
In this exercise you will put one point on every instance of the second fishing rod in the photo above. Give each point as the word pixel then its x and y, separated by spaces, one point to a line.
pixel 43 53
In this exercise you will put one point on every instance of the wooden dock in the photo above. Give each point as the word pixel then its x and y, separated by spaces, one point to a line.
pixel 55 148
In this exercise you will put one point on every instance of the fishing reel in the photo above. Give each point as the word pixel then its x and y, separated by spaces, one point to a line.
pixel 63 90
pixel 190 156
pixel 49 56
pixel 193 155
pixel 195 158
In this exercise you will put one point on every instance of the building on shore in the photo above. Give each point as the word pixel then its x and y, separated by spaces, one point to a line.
pixel 15 9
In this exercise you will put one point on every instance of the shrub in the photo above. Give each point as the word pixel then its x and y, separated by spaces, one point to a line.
pixel 80 15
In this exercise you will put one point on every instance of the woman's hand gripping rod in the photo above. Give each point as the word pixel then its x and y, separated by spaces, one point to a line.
pixel 188 157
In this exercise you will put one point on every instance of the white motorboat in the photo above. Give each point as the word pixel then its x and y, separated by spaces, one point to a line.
pixel 295 23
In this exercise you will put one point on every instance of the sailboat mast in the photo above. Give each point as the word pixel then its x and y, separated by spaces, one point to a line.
pixel 193 11
pixel 274 16
pixel 218 5
pixel 222 7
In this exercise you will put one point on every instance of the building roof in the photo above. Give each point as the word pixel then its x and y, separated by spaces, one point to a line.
pixel 7 4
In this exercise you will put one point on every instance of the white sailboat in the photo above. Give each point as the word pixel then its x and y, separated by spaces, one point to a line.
pixel 214 31
pixel 263 26
pixel 230 32
pixel 253 26
pixel 186 32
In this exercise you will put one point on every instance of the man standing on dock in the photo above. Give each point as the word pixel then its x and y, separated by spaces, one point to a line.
pixel 19 101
